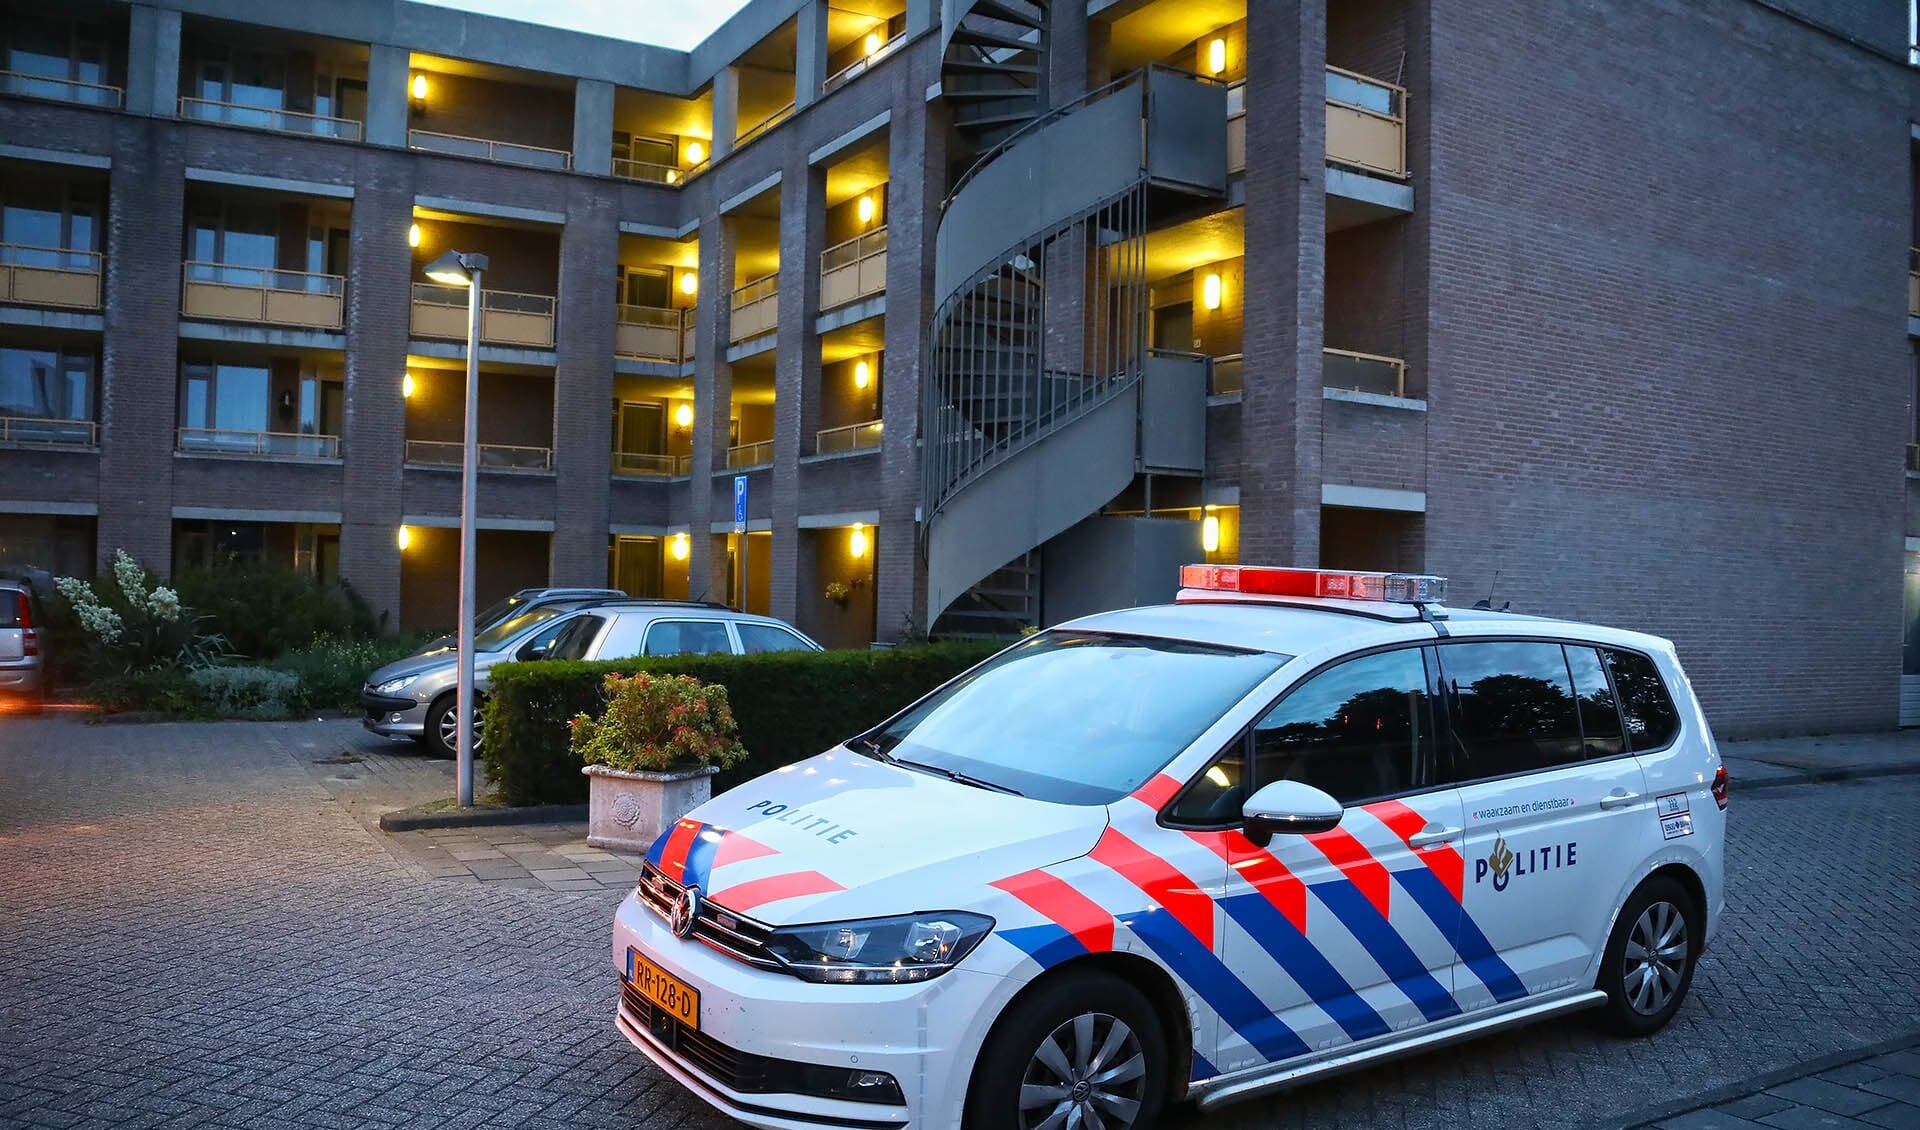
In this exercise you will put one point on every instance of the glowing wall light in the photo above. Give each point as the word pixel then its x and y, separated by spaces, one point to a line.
pixel 1217 56
pixel 862 374
pixel 857 541
pixel 404 538
pixel 683 415
pixel 1210 292
pixel 679 547
pixel 413 235
pixel 689 283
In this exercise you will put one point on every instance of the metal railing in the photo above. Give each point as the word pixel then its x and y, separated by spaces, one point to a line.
pixel 227 441
pixel 756 308
pixel 1226 378
pixel 852 270
pixel 650 171
pixel 1366 123
pixel 506 317
pixel 860 66
pixel 650 464
pixel 1913 282
pixel 505 152
pixel 61 89
pixel 653 333
pixel 1363 372
pixel 764 124
pixel 853 437
pixel 48 431
pixel 226 292
pixel 1237 126
pixel 750 454
pixel 264 117
pixel 49 276
pixel 492 456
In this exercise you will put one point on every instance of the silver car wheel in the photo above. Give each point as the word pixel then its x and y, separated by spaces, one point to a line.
pixel 1655 958
pixel 1088 1074
pixel 450 727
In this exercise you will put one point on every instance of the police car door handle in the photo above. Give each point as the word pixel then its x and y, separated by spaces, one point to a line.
pixel 1431 834
pixel 1618 798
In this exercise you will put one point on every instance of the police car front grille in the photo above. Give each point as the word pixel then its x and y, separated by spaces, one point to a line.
pixel 742 1072
pixel 738 937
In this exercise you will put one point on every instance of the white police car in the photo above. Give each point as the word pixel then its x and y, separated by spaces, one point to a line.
pixel 1297 822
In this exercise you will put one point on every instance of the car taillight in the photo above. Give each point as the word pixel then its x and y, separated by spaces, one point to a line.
pixel 1720 787
pixel 29 639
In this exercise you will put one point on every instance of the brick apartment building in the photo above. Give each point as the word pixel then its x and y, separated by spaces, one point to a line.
pixel 1591 307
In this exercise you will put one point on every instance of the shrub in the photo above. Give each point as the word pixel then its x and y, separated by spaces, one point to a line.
pixel 265 612
pixel 161 690
pixel 130 624
pixel 658 723
pixel 788 705
pixel 332 669
pixel 259 693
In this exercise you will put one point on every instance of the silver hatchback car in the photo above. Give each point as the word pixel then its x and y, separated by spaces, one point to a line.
pixel 23 669
pixel 414 698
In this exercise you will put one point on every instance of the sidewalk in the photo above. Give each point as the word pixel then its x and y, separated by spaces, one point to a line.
pixel 1837 757
pixel 1876 1088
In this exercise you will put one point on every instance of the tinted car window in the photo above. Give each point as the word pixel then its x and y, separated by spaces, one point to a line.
pixel 688 637
pixel 9 608
pixel 1651 719
pixel 496 637
pixel 1356 732
pixel 540 644
pixel 1599 717
pixel 576 637
pixel 1511 707
pixel 758 638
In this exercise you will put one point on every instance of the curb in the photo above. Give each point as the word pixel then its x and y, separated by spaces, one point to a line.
pixel 479 816
pixel 1819 776
pixel 1648 1115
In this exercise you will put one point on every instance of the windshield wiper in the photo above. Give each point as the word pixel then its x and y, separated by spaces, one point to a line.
pixel 871 747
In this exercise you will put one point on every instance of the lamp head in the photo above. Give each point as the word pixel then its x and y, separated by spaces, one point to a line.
pixel 456 268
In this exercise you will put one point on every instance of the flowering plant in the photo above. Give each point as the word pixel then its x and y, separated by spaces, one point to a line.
pixel 131 626
pixel 839 592
pixel 658 723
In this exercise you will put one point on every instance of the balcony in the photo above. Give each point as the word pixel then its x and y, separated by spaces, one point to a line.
pixel 649 465
pixel 1364 372
pixel 764 124
pixel 1227 375
pixel 506 317
pixel 221 441
pixel 226 293
pixel 746 455
pixel 262 117
pixel 853 437
pixel 49 276
pixel 37 431
pixel 61 89
pixel 492 456
pixel 653 333
pixel 503 152
pixel 1237 127
pixel 859 66
pixel 1366 124
pixel 654 172
pixel 756 308
pixel 1913 283
pixel 853 270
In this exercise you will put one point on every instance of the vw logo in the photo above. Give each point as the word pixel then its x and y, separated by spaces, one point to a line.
pixel 686 910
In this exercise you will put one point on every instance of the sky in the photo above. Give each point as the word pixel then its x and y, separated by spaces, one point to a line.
pixel 679 24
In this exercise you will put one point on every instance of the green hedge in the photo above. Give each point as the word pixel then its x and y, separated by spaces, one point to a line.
pixel 790 705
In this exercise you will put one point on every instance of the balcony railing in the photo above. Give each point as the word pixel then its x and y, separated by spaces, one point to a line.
pixel 506 317
pixel 1913 457
pixel 49 276
pixel 764 124
pixel 228 293
pixel 263 117
pixel 750 454
pixel 224 441
pixel 756 308
pixel 492 456
pixel 852 270
pixel 1226 375
pixel 1366 123
pixel 1237 126
pixel 859 66
pixel 653 171
pixel 42 431
pixel 853 437
pixel 1363 372
pixel 505 152
pixel 1913 282
pixel 651 465
pixel 653 333
pixel 61 89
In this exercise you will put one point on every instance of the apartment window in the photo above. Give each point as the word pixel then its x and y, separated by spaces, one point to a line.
pixel 224 397
pixel 244 78
pixel 640 428
pixel 638 572
pixel 646 286
pixel 46 384
pixel 238 237
pixel 74 52
pixel 322 405
pixel 49 216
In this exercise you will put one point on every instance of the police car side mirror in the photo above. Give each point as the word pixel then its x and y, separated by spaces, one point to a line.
pixel 1289 808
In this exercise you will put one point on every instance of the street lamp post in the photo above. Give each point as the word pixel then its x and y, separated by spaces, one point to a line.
pixel 461 268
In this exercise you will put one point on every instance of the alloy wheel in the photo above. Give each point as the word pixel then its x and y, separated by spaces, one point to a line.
pixel 450 727
pixel 1088 1074
pixel 1656 958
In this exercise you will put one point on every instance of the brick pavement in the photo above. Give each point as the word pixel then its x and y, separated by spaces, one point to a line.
pixel 1868 1092
pixel 199 928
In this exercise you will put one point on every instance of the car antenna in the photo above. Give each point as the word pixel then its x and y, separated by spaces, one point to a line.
pixel 1486 604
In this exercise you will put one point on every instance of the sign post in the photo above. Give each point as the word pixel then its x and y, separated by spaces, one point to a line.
pixel 740 529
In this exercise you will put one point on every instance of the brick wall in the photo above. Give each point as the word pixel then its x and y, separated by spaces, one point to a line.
pixel 583 380
pixel 1368 445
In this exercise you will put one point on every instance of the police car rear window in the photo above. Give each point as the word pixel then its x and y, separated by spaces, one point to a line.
pixel 1644 702
pixel 1073 717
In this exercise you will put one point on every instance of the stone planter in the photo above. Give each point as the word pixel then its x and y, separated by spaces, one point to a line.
pixel 627 811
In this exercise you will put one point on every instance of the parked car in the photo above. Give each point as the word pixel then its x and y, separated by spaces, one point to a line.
pixel 23 669
pixel 500 611
pixel 414 698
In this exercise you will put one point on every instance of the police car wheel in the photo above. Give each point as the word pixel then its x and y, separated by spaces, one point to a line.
pixel 1084 1050
pixel 1649 961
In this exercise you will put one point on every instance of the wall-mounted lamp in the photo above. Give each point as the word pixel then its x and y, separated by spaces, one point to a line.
pixel 875 41
pixel 857 541
pixel 689 283
pixel 418 88
pixel 683 415
pixel 865 209
pixel 1210 533
pixel 679 547
pixel 413 235
pixel 1210 292
pixel 862 374
pixel 673 176
pixel 407 386
pixel 1216 56
pixel 404 538
pixel 286 405
pixel 695 152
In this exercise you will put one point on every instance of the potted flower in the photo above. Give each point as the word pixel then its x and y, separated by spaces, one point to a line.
pixel 651 755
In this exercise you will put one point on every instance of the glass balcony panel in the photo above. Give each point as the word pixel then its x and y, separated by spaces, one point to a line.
pixel 1363 372
pixel 39 431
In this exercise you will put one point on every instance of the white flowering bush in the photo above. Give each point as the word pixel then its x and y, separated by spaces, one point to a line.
pixel 131 624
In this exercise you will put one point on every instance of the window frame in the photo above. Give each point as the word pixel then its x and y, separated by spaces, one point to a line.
pixel 1619 704
pixel 803 644
pixel 726 626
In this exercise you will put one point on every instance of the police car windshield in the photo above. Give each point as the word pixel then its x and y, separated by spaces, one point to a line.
pixel 1073 717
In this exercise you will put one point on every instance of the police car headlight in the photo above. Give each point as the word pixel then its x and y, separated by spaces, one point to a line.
pixel 880 951
pixel 395 686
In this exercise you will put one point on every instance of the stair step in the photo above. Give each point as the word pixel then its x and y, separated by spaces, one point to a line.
pixel 993 9
pixel 979 37
pixel 982 95
pixel 990 67
pixel 976 121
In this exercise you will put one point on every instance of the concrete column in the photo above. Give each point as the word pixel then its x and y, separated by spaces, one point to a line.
pixel 810 56
pixel 140 369
pixel 381 266
pixel 916 158
pixel 583 387
pixel 921 15
pixel 796 366
pixel 593 127
pixel 1065 69
pixel 712 399
pixel 1286 234
pixel 387 68
pixel 726 111
pixel 153 60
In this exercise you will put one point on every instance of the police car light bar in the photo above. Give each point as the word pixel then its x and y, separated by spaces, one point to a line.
pixel 1261 580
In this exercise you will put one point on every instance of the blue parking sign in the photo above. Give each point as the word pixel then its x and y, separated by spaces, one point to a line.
pixel 739 503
